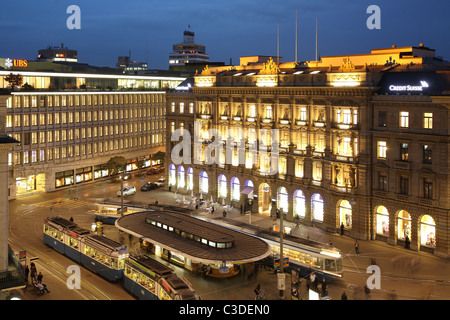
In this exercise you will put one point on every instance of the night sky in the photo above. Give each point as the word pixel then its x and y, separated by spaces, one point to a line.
pixel 228 28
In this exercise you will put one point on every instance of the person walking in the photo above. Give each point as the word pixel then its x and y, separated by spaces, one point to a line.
pixel 342 228
pixel 357 247
pixel 324 288
pixel 42 287
pixel 39 277
pixel 33 272
pixel 343 296
pixel 224 213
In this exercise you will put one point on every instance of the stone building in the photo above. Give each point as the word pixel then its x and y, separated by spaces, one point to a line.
pixel 358 141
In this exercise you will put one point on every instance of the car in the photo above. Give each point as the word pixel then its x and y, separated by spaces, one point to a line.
pixel 128 191
pixel 154 170
pixel 149 186
pixel 160 182
pixel 126 176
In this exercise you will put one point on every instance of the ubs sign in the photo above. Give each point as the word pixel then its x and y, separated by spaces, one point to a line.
pixel 20 63
pixel 400 88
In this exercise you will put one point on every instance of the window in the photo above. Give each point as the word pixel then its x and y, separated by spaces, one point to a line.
pixel 303 114
pixel 427 188
pixel 172 109
pixel 252 111
pixel 382 181
pixel 427 154
pixel 428 120
pixel 404 185
pixel 404 119
pixel 404 151
pixel 381 150
pixel 269 112
pixel 181 107
pixel 191 108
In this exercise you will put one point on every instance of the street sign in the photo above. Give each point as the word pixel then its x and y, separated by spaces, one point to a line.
pixel 281 277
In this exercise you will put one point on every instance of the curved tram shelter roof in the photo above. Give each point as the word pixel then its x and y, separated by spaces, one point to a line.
pixel 193 238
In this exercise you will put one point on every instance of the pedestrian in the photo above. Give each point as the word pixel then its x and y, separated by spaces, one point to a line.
pixel 367 291
pixel 257 290
pixel 324 288
pixel 42 287
pixel 330 243
pixel 373 261
pixel 342 228
pixel 407 242
pixel 357 247
pixel 212 210
pixel 278 213
pixel 27 272
pixel 242 210
pixel 312 278
pixel 224 213
pixel 250 271
pixel 33 272
pixel 343 296
pixel 39 277
pixel 71 219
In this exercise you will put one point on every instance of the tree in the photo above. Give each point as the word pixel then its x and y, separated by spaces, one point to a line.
pixel 15 80
pixel 116 165
pixel 159 156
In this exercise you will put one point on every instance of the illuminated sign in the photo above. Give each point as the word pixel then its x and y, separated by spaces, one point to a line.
pixel 16 63
pixel 423 84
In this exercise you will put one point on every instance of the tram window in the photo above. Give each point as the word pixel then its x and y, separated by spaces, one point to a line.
pixel 121 263
pixel 221 245
pixel 114 263
pixel 72 242
pixel 164 226
pixel 229 244
pixel 158 224
pixel 183 234
pixel 212 244
pixel 177 231
pixel 197 238
pixel 170 229
pixel 204 241
pixel 330 265
pixel 190 236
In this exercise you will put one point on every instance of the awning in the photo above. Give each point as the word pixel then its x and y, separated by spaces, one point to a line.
pixel 247 190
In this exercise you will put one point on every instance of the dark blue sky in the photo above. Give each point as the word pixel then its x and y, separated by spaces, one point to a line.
pixel 228 28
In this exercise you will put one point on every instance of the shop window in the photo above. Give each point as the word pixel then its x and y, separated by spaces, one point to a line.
pixel 283 200
pixel 317 206
pixel 428 231
pixel 345 213
pixel 403 225
pixel 235 189
pixel 203 182
pixel 382 221
pixel 222 186
pixel 299 203
pixel 181 177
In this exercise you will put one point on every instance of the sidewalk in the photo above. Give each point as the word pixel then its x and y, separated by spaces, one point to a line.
pixel 393 260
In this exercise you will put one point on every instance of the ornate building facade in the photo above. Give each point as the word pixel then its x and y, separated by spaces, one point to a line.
pixel 359 142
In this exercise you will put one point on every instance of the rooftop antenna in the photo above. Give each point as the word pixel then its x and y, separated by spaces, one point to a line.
pixel 278 44
pixel 316 38
pixel 296 27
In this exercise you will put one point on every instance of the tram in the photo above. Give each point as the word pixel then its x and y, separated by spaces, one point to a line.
pixel 97 253
pixel 144 277
pixel 149 279
pixel 304 255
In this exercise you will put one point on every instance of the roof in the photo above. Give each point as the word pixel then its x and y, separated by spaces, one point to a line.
pixel 245 248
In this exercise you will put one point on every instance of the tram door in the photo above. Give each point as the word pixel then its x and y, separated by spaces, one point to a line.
pixel 264 199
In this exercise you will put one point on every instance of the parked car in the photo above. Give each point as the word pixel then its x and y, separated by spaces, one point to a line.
pixel 149 186
pixel 160 182
pixel 128 191
pixel 154 170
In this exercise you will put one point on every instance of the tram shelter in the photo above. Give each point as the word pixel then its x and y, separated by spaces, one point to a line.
pixel 191 242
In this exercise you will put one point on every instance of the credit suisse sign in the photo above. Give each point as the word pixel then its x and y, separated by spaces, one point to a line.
pixel 423 84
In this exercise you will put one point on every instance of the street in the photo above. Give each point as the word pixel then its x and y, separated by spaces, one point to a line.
pixel 404 274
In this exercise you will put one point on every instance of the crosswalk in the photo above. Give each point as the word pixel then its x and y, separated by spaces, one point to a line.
pixel 70 203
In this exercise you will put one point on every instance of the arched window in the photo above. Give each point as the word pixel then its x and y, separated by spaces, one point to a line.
pixel 235 189
pixel 403 225
pixel 249 183
pixel 382 221
pixel 317 205
pixel 222 186
pixel 427 231
pixel 282 198
pixel 203 182
pixel 172 175
pixel 181 177
pixel 190 179
pixel 299 203
pixel 345 213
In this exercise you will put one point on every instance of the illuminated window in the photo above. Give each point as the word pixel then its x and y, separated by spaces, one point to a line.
pixel 428 231
pixel 222 188
pixel 317 206
pixel 345 213
pixel 404 119
pixel 404 151
pixel 299 168
pixel 427 154
pixel 382 221
pixel 403 225
pixel 299 203
pixel 381 150
pixel 428 120
pixel 252 111
pixel 303 114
